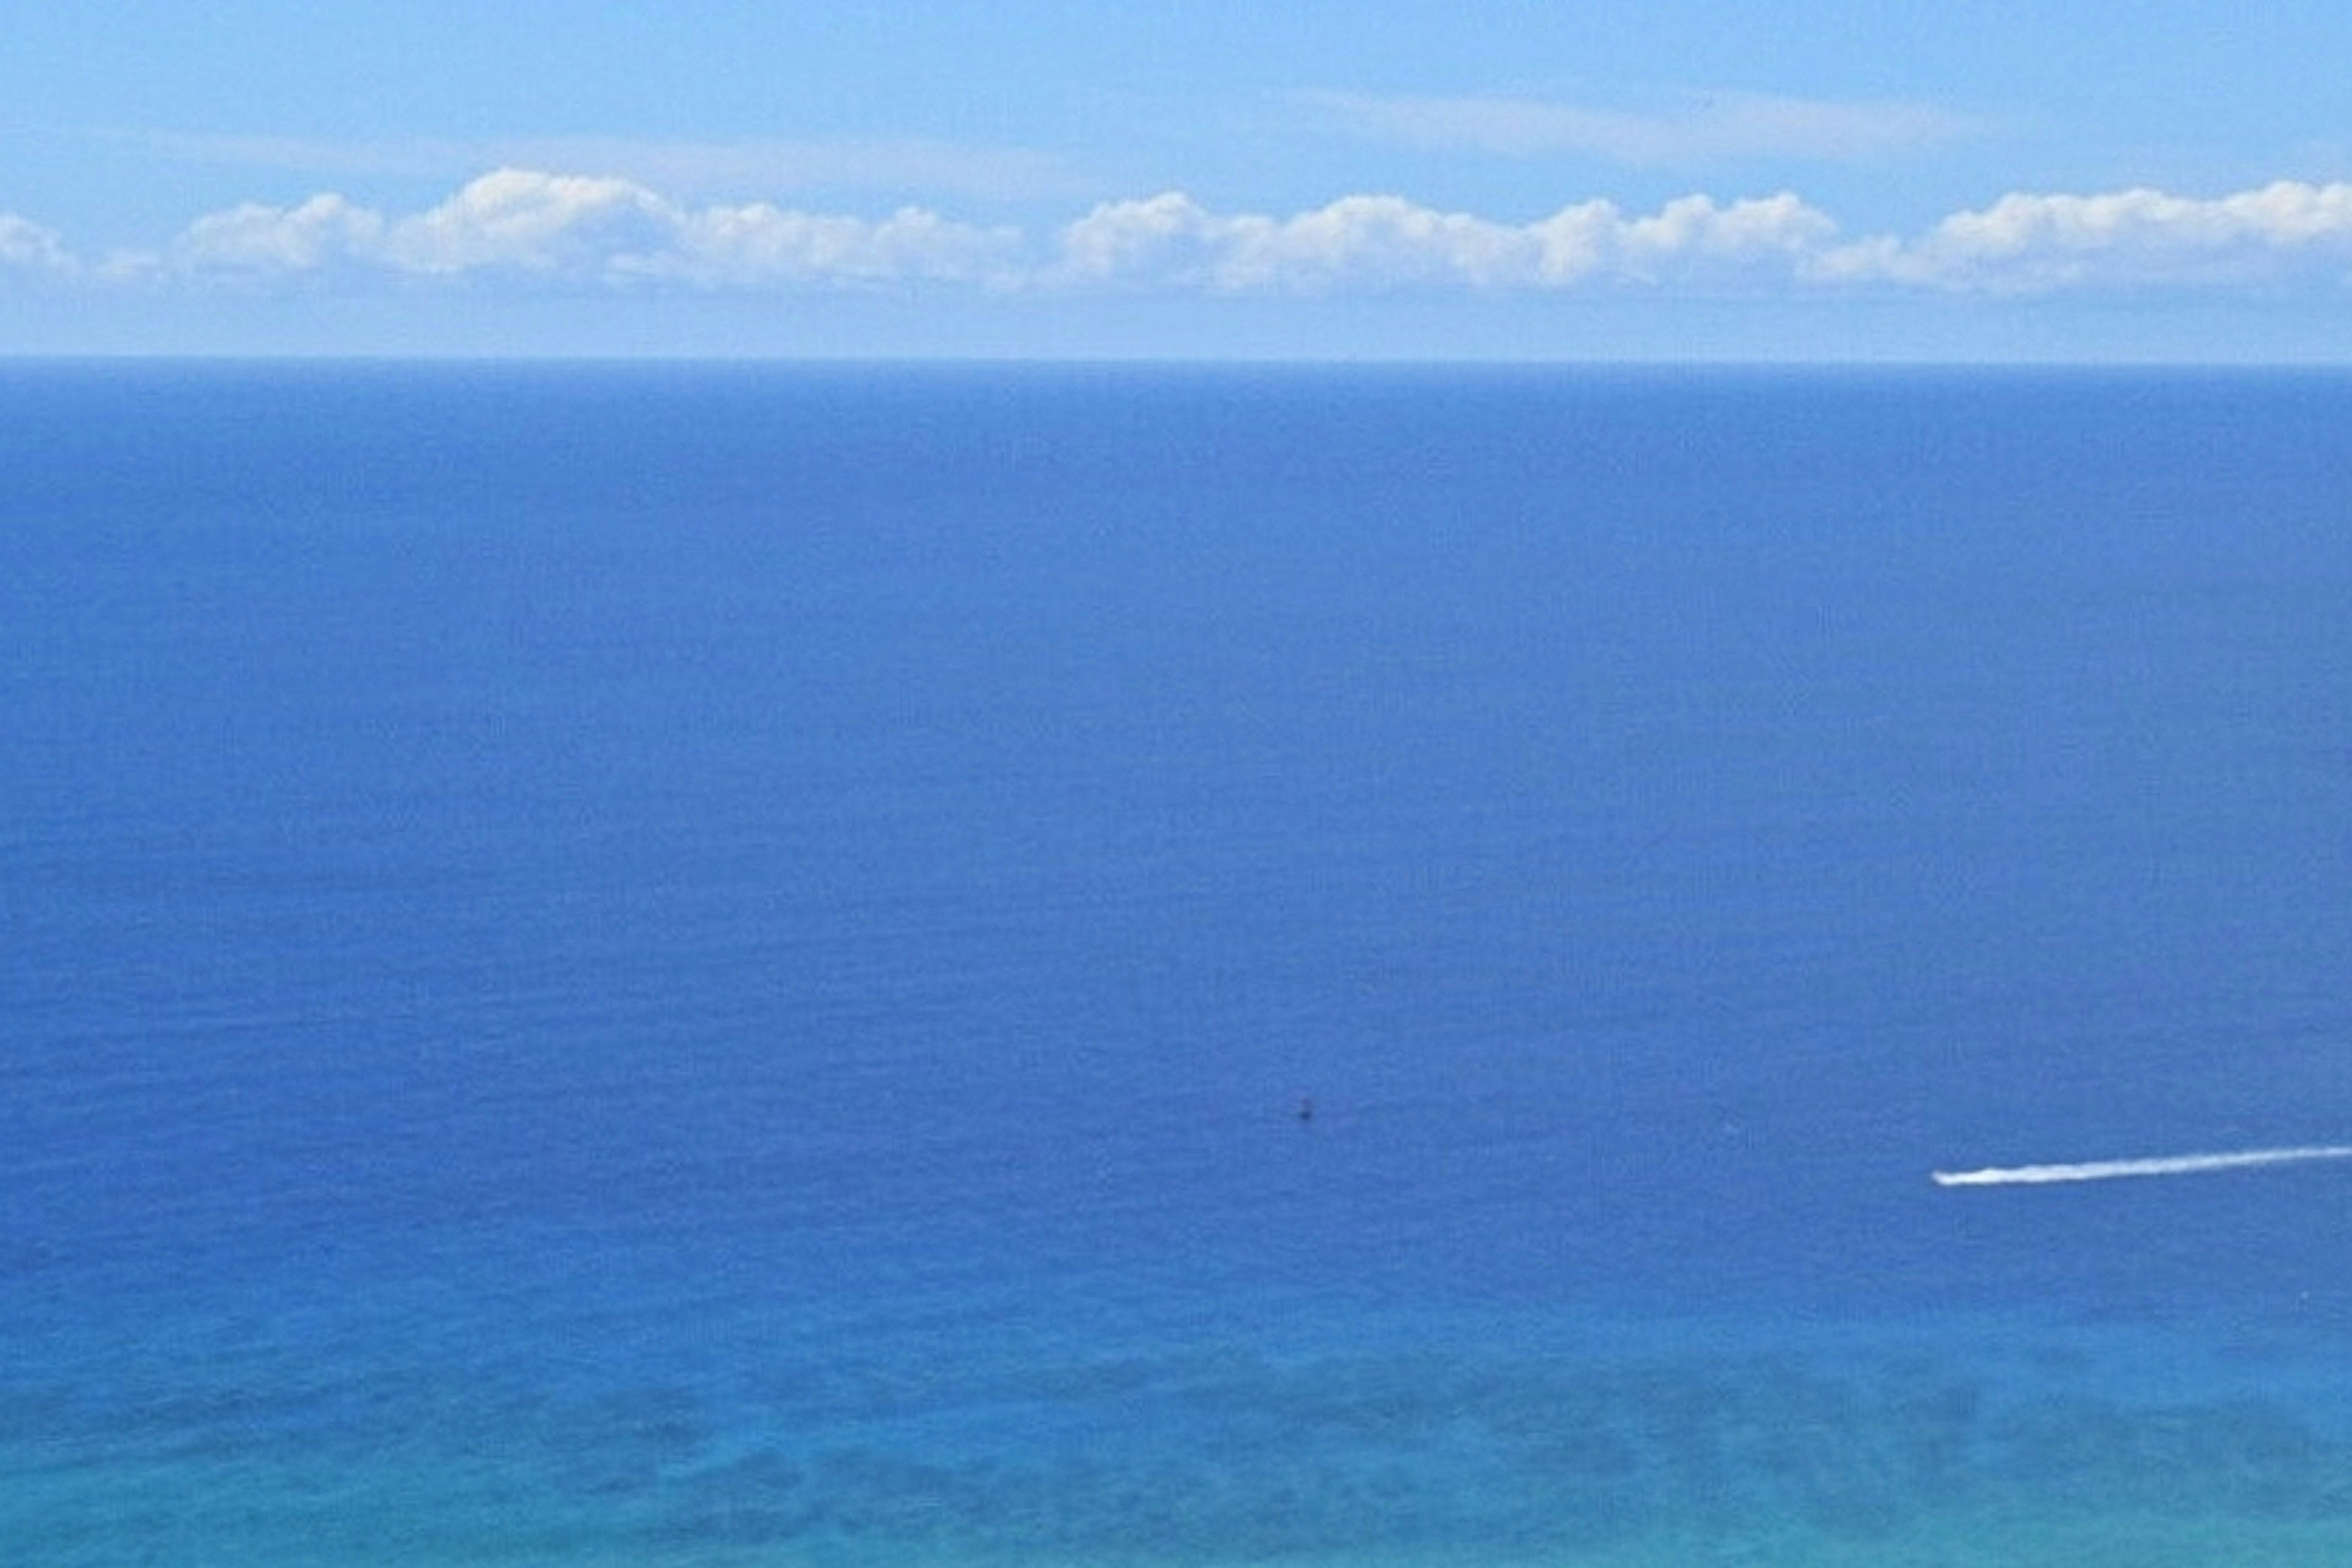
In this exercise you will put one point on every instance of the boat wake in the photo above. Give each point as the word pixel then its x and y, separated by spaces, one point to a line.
pixel 2109 1170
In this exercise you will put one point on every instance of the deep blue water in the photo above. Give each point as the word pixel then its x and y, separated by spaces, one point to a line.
pixel 719 965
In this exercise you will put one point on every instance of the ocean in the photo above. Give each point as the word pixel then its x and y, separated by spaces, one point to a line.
pixel 842 966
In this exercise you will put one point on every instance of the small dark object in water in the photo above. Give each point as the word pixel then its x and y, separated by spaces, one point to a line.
pixel 1307 1111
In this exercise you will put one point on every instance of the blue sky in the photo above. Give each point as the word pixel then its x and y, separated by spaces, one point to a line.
pixel 1383 178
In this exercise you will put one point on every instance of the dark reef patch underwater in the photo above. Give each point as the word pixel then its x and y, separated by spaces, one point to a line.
pixel 648 965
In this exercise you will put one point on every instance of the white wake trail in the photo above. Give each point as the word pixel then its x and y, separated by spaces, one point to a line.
pixel 2109 1170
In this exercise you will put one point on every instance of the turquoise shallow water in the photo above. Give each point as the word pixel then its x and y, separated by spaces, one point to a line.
pixel 1464 1440
pixel 718 966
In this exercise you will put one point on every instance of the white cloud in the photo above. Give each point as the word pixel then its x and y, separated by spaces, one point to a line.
pixel 1173 240
pixel 763 244
pixel 530 227
pixel 255 238
pixel 518 220
pixel 26 247
pixel 568 227
pixel 2035 243
pixel 1696 232
pixel 1385 242
pixel 1725 128
pixel 1379 241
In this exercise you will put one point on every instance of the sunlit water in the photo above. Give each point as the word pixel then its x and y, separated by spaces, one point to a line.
pixel 667 966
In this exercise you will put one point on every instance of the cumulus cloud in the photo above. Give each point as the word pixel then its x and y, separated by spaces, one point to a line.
pixel 26 245
pixel 531 227
pixel 2037 243
pixel 762 244
pixel 263 240
pixel 1725 128
pixel 523 223
pixel 1170 239
pixel 518 220
pixel 2281 234
pixel 1384 242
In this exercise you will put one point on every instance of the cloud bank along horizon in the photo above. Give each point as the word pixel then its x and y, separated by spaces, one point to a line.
pixel 517 227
